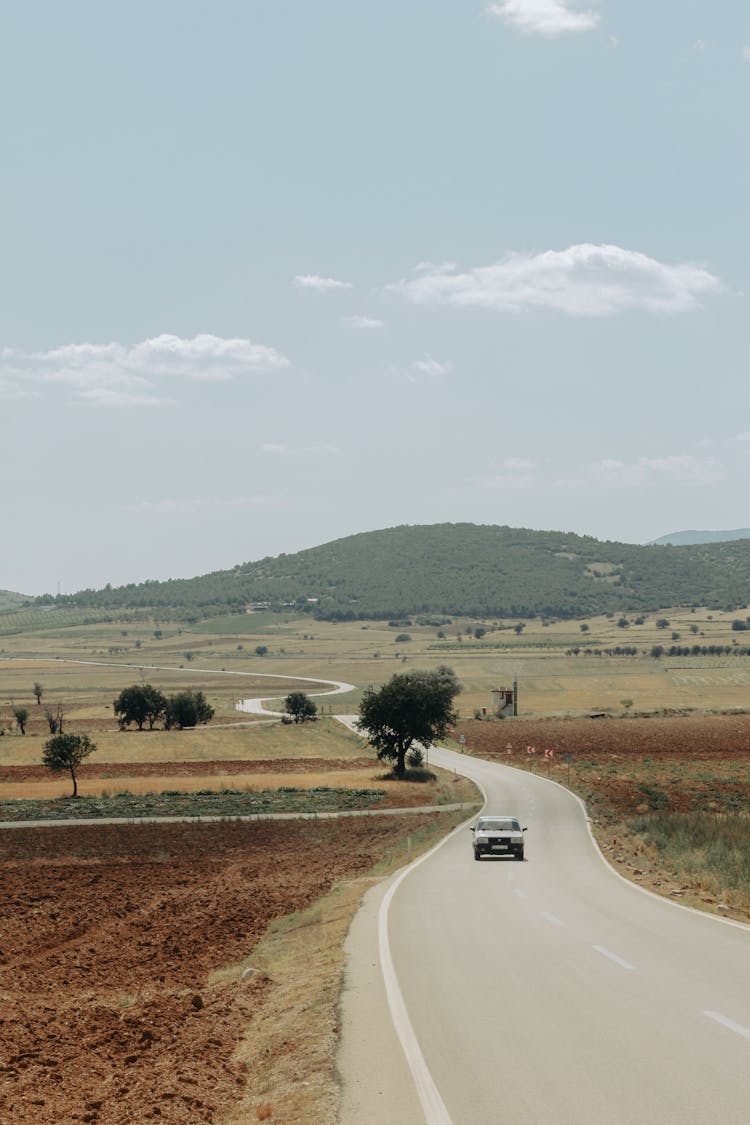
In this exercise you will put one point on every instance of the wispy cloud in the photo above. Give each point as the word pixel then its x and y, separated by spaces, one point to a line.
pixel 118 375
pixel 583 280
pixel 746 52
pixel 545 17
pixel 319 284
pixel 421 369
pixel 315 449
pixel 365 323
pixel 661 470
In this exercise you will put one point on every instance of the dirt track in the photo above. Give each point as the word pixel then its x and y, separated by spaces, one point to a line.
pixel 109 939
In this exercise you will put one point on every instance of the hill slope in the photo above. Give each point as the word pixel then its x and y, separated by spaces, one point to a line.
pixel 10 599
pixel 456 569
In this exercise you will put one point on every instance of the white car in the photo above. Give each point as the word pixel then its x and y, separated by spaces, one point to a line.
pixel 498 835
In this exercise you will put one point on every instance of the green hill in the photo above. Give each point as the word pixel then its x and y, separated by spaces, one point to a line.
pixel 10 600
pixel 453 569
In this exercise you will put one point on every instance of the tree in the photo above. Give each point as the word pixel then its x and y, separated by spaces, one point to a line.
pixel 300 706
pixel 187 709
pixel 66 752
pixel 139 704
pixel 38 690
pixel 261 650
pixel 411 707
pixel 21 715
pixel 55 719
pixel 662 623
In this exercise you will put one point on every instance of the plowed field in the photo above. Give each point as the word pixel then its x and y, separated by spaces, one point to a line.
pixel 625 766
pixel 110 942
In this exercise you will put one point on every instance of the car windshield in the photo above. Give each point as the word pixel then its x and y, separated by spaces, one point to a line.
pixel 498 824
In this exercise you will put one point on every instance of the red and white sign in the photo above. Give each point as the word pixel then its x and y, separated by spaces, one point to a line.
pixel 530 750
pixel 549 753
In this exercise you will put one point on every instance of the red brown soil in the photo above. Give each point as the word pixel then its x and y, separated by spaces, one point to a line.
pixel 109 938
pixel 684 736
pixel 192 769
pixel 621 765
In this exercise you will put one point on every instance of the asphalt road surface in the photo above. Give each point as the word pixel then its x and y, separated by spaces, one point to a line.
pixel 548 991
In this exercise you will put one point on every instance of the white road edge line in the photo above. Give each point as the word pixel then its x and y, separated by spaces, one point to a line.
pixel 551 918
pixel 613 957
pixel 726 1022
pixel 433 1106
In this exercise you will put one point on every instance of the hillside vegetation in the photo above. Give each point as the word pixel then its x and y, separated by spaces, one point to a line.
pixel 451 569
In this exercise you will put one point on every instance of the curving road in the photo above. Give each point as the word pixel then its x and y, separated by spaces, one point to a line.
pixel 550 991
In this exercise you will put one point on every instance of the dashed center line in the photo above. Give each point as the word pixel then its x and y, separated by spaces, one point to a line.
pixel 737 1028
pixel 613 957
pixel 551 918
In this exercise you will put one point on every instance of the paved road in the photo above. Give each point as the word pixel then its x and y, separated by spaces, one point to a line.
pixel 550 991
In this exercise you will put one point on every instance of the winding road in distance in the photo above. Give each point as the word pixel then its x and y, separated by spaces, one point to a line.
pixel 551 991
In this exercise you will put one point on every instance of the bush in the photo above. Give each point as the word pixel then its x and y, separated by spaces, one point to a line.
pixel 415 758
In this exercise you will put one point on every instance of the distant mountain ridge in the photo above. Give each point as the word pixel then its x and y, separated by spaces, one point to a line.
pixel 691 538
pixel 454 570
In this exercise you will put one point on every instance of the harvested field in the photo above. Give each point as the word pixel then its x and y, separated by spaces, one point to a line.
pixel 121 966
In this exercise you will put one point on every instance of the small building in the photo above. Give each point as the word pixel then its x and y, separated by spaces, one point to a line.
pixel 502 701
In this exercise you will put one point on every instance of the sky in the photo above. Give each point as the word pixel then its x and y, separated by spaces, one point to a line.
pixel 274 273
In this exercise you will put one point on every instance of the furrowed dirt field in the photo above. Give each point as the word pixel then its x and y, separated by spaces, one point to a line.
pixel 625 766
pixel 122 949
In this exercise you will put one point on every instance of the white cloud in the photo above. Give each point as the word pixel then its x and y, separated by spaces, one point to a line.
pixel 544 17
pixel 432 368
pixel 126 375
pixel 363 322
pixel 517 463
pixel 746 52
pixel 583 280
pixel 743 437
pixel 319 284
pixel 681 468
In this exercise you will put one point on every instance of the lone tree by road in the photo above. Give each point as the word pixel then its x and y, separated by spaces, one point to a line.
pixel 300 706
pixel 38 691
pixel 411 707
pixel 65 752
pixel 139 704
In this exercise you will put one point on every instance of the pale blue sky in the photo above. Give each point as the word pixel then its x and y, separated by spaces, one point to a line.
pixel 277 272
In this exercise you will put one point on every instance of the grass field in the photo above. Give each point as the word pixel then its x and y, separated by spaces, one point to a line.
pixel 550 679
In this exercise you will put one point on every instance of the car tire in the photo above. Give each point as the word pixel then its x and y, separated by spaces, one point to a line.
pixel 477 855
pixel 519 856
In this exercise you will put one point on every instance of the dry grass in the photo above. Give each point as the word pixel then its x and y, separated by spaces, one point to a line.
pixel 324 739
pixel 446 789
pixel 290 1051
